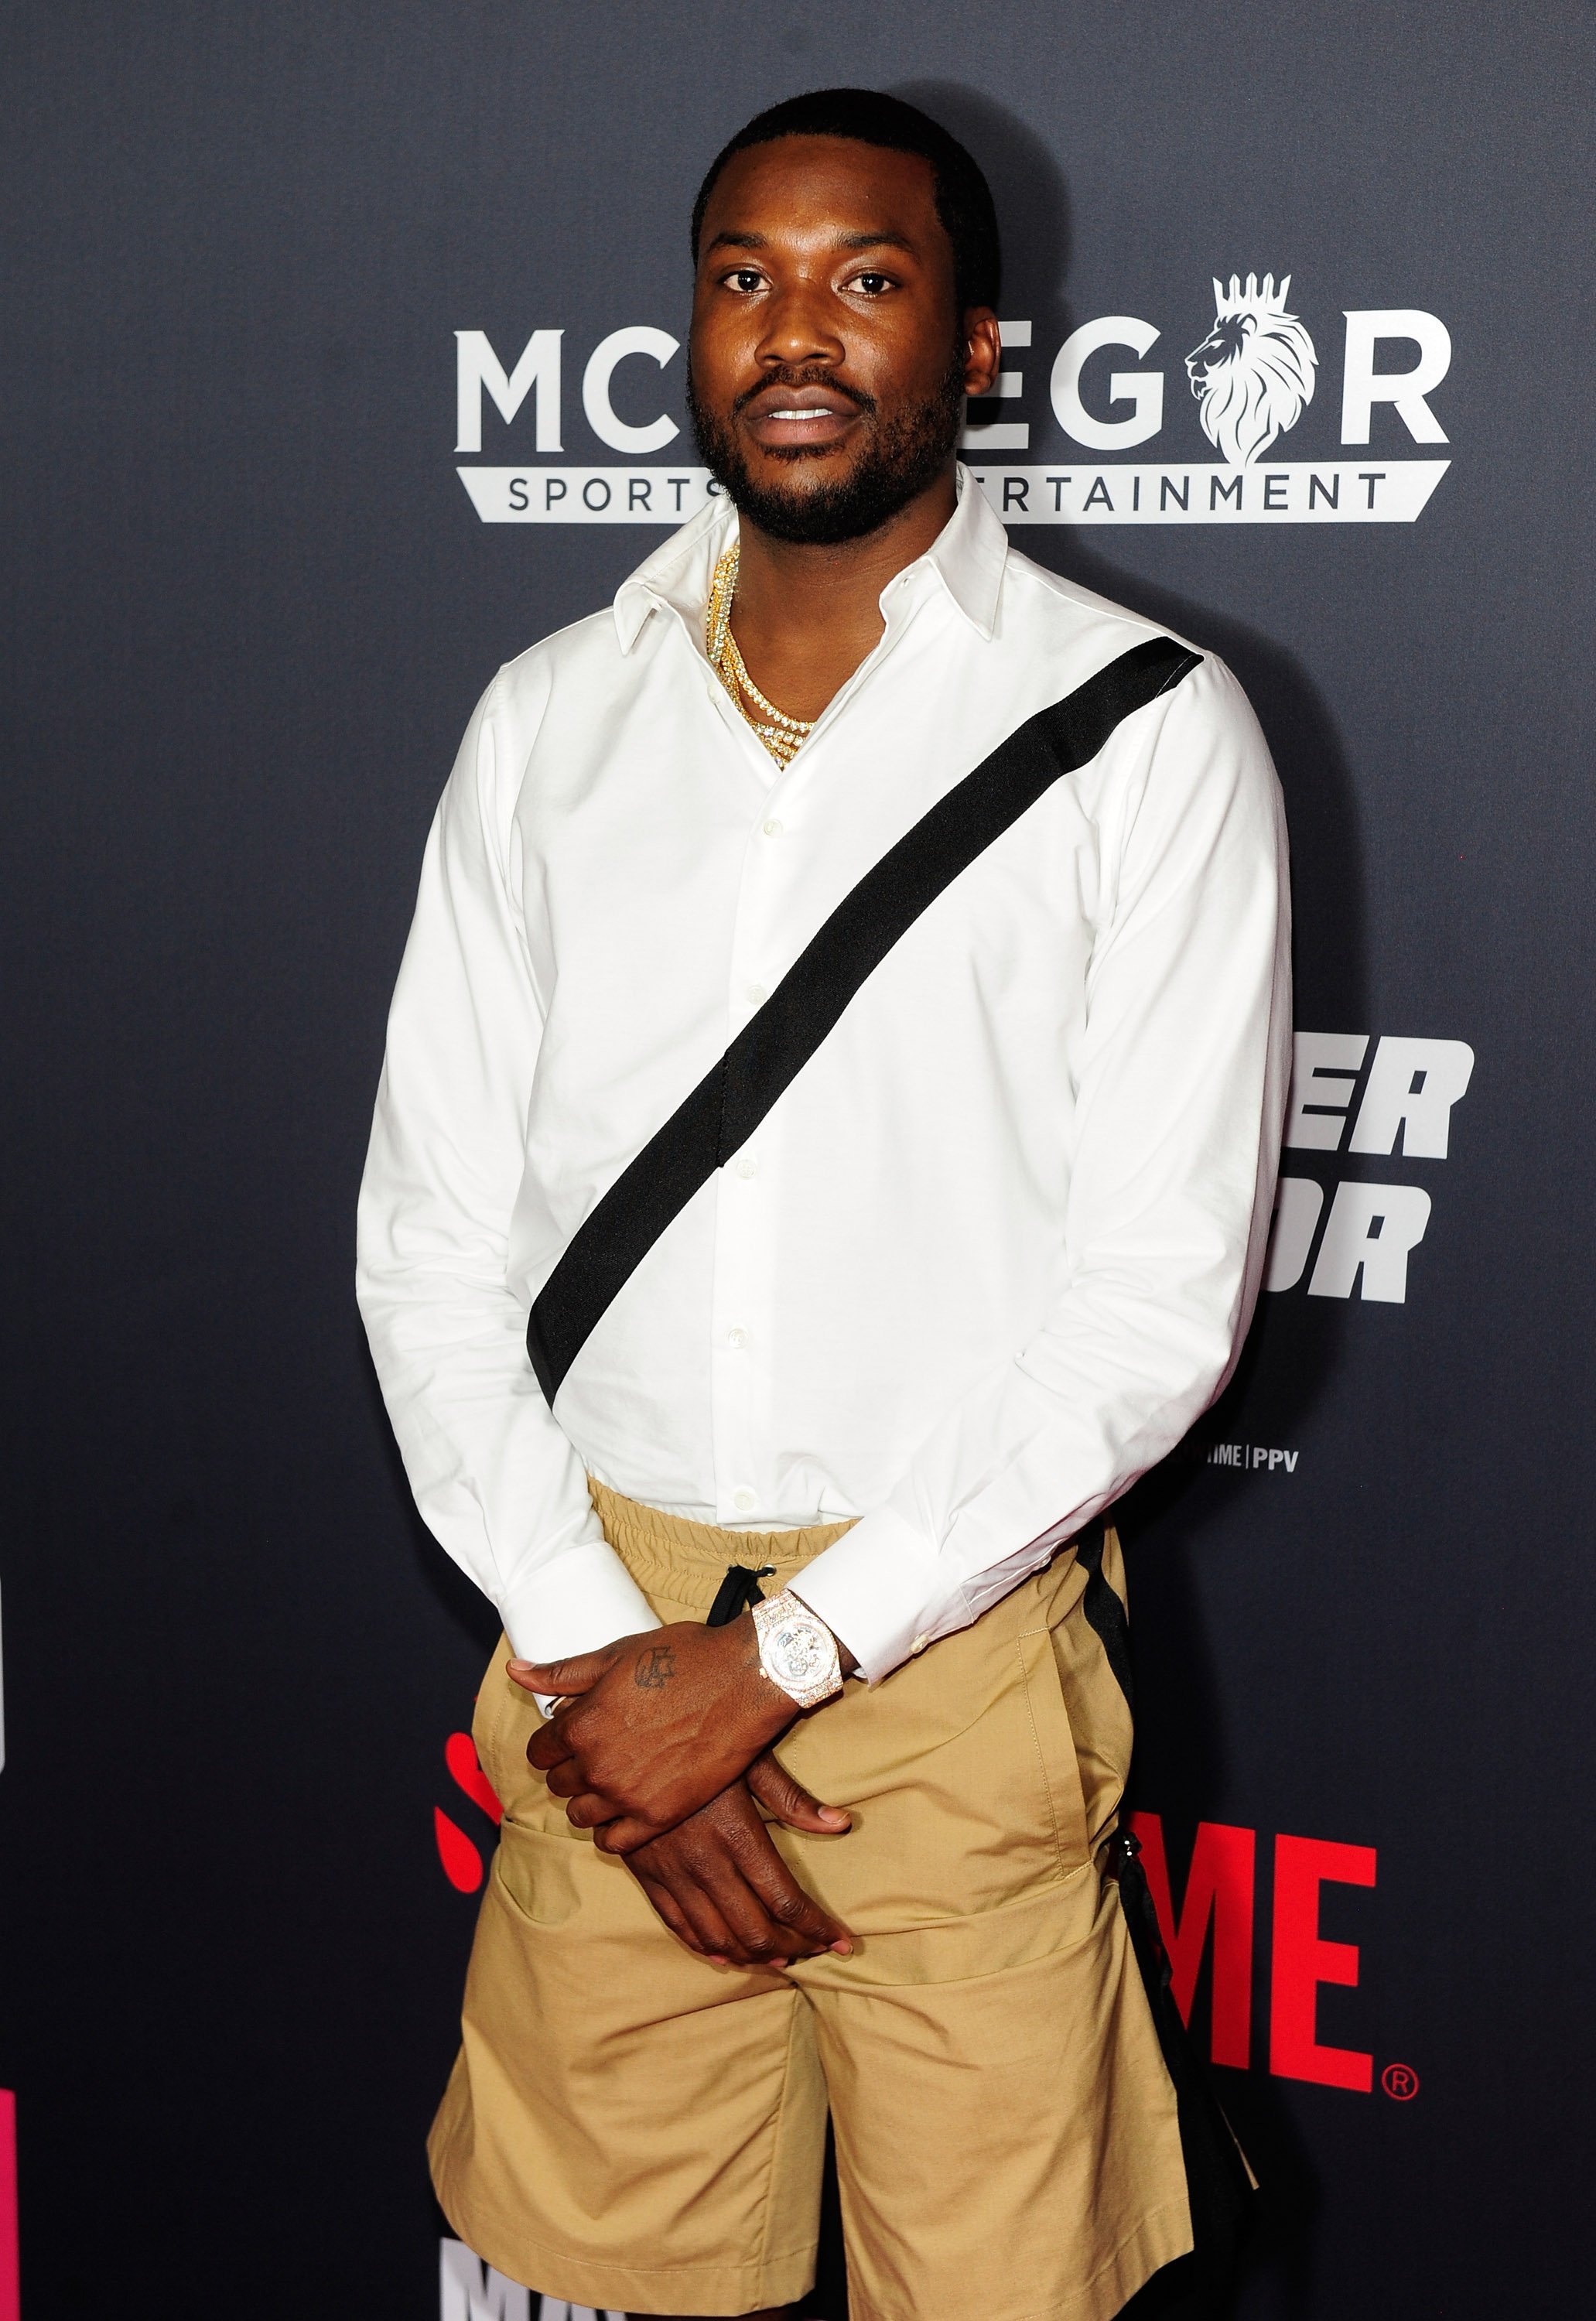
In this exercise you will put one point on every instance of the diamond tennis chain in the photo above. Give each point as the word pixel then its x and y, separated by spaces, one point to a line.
pixel 781 734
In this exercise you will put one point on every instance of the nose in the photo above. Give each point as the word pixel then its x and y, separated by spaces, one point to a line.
pixel 801 327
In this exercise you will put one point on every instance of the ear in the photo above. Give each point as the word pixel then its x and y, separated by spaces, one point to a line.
pixel 983 349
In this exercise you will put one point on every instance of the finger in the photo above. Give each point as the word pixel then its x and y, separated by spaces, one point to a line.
pixel 549 1746
pixel 624 1835
pixel 578 1674
pixel 797 1914
pixel 758 1938
pixel 670 1911
pixel 791 1802
pixel 710 1931
pixel 567 1778
pixel 588 1810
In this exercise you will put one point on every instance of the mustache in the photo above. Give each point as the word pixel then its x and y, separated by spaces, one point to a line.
pixel 805 375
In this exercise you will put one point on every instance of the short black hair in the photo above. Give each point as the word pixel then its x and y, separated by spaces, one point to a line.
pixel 964 198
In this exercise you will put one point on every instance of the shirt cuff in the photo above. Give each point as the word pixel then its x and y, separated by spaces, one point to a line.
pixel 872 1587
pixel 583 1599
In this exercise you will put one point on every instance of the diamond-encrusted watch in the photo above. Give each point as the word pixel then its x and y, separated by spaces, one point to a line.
pixel 797 1651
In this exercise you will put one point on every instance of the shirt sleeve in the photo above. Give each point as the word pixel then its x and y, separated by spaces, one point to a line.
pixel 1180 1095
pixel 496 1479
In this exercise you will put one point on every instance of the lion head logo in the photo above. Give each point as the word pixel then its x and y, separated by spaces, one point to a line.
pixel 1254 372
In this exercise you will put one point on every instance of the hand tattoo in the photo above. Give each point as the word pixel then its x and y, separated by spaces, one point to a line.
pixel 655 1668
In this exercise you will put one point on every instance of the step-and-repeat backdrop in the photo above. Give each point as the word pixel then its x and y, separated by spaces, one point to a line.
pixel 342 357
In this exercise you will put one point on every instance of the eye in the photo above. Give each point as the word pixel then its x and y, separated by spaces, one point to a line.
pixel 870 282
pixel 747 279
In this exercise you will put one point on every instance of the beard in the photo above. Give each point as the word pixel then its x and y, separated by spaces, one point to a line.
pixel 903 457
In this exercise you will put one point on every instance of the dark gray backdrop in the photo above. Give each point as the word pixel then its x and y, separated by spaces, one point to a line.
pixel 250 606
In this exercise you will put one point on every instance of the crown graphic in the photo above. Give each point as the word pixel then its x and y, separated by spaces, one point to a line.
pixel 1252 300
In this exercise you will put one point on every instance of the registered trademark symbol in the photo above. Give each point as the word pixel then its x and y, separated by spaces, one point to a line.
pixel 1400 2080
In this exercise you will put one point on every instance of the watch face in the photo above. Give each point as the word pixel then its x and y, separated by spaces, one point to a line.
pixel 798 1651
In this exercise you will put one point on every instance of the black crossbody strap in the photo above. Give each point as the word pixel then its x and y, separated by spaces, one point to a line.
pixel 731 1099
pixel 1218 2188
pixel 1105 1611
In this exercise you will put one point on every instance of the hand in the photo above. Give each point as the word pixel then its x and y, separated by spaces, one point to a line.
pixel 719 1884
pixel 652 1726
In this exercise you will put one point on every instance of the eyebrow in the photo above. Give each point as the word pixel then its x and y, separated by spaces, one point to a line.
pixel 731 241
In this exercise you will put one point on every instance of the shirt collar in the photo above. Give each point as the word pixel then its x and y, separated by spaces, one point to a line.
pixel 967 557
pixel 678 574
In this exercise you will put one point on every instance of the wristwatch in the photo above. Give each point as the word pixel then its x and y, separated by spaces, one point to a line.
pixel 797 1651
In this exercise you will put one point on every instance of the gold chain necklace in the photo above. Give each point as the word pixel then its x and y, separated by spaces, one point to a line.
pixel 781 734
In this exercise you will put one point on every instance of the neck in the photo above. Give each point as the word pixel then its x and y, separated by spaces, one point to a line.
pixel 806 615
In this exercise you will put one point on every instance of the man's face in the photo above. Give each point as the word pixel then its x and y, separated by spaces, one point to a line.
pixel 828 366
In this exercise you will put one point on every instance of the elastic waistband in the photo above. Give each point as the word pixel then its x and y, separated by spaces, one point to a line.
pixel 658 1547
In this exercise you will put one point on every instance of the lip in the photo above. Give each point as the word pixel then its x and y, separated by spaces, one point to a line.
pixel 783 416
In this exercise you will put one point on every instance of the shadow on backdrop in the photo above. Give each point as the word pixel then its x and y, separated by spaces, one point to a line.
pixel 1293 1348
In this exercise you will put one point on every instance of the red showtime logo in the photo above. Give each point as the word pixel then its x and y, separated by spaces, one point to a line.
pixel 11 2295
pixel 460 1854
pixel 1220 1884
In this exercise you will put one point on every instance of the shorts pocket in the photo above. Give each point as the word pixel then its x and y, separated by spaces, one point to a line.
pixel 505 1719
pixel 1058 1766
pixel 545 1879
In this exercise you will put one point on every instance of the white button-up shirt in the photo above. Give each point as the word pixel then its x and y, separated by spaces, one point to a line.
pixel 993 1250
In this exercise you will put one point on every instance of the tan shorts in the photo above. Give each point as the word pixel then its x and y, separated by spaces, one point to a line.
pixel 629 2126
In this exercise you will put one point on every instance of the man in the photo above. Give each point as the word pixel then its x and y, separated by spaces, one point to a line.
pixel 878 1116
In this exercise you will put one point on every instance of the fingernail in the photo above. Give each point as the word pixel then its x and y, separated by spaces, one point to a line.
pixel 522 1668
pixel 834 1814
pixel 716 1959
pixel 844 1950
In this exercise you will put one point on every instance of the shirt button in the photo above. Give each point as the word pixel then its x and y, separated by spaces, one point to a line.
pixel 757 994
pixel 743 1500
pixel 773 829
pixel 919 1644
pixel 737 1337
pixel 748 1166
